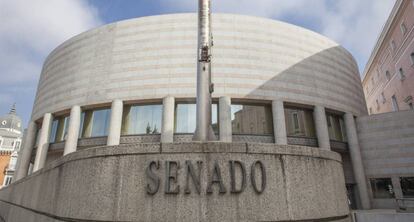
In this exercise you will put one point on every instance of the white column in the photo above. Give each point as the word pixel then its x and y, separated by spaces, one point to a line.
pixel 225 119
pixel 279 124
pixel 356 160
pixel 321 125
pixel 25 153
pixel 167 128
pixel 114 134
pixel 73 130
pixel 43 145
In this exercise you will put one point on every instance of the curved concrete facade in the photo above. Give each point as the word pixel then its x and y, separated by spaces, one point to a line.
pixel 154 57
pixel 110 184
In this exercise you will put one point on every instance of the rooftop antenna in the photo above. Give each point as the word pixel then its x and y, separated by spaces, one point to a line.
pixel 204 131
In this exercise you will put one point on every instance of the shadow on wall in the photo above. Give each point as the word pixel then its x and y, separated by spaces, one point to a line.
pixel 329 78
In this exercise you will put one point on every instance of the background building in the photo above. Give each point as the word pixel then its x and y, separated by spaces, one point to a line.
pixel 388 79
pixel 10 142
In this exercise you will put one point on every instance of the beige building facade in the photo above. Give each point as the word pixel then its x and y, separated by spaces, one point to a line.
pixel 389 75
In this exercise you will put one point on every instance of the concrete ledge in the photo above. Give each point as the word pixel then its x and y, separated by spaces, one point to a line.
pixel 302 184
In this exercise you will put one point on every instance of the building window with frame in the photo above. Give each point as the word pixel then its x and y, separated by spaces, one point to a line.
pixel 387 75
pixel 382 188
pixel 142 119
pixel 251 119
pixel 59 129
pixel 393 45
pixel 7 180
pixel 299 122
pixel 185 117
pixel 336 127
pixel 394 103
pixel 402 75
pixel 403 28
pixel 95 123
pixel 383 98
pixel 412 58
pixel 407 186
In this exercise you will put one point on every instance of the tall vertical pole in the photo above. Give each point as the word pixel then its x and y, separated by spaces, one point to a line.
pixel 204 130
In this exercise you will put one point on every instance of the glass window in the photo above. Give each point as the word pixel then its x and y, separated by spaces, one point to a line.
pixel 95 123
pixel 393 45
pixel 299 122
pixel 142 119
pixel 388 75
pixel 251 119
pixel 336 127
pixel 412 58
pixel 394 103
pixel 59 129
pixel 382 188
pixel 403 28
pixel 407 186
pixel 185 117
pixel 402 75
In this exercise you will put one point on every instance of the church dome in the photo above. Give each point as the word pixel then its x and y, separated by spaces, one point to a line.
pixel 11 122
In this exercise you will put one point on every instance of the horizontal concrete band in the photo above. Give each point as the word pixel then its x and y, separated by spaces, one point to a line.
pixel 25 213
pixel 195 147
pixel 303 184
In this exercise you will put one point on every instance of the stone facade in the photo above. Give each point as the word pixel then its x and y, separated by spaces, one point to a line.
pixel 110 184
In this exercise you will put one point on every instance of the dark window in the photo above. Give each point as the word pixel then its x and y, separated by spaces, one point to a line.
pixel 407 186
pixel 382 188
pixel 388 75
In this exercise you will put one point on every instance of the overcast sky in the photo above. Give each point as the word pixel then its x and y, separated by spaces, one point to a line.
pixel 30 29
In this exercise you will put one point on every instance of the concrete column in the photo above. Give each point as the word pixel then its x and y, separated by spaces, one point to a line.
pixel 225 119
pixel 73 130
pixel 279 124
pixel 356 160
pixel 167 128
pixel 321 126
pixel 43 145
pixel 25 152
pixel 114 134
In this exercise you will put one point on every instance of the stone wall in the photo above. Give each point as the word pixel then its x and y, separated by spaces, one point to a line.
pixel 387 143
pixel 111 184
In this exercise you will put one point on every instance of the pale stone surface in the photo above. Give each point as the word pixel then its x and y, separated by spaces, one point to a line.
pixel 321 126
pixel 154 57
pixel 279 124
pixel 386 141
pixel 43 144
pixel 71 142
pixel 167 130
pixel 114 132
pixel 356 159
pixel 225 119
pixel 26 152
pixel 299 186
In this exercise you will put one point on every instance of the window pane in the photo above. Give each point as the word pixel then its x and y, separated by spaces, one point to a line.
pixel 407 186
pixel 53 131
pixel 100 122
pixel 382 188
pixel 61 129
pixel 143 119
pixel 335 128
pixel 251 119
pixel 185 118
pixel 299 122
